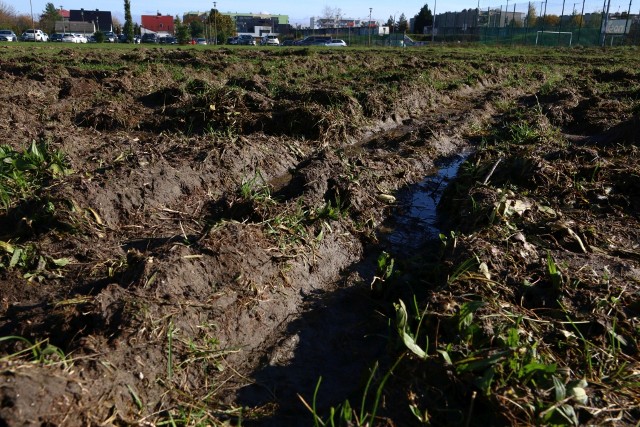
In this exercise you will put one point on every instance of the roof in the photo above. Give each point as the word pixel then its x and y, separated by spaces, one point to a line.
pixel 100 18
pixel 157 23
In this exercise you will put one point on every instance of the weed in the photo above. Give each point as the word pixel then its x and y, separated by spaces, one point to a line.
pixel 27 258
pixel 40 351
pixel 346 415
pixel 24 174
pixel 255 189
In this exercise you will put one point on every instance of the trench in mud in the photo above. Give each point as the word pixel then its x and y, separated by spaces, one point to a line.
pixel 416 220
pixel 341 334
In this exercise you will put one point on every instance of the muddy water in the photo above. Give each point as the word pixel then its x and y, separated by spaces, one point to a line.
pixel 415 220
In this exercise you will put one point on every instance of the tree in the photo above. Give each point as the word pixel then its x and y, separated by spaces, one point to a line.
pixel 196 29
pixel 532 16
pixel 225 26
pixel 182 31
pixel 331 13
pixel 423 19
pixel 403 24
pixel 577 21
pixel 116 25
pixel 49 17
pixel 22 23
pixel 128 21
pixel 551 20
pixel 391 23
pixel 7 16
pixel 595 20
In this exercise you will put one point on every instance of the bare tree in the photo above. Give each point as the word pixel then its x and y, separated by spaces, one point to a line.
pixel 331 12
pixel 7 15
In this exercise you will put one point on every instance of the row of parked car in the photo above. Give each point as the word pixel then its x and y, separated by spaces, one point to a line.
pixel 272 40
pixel 244 39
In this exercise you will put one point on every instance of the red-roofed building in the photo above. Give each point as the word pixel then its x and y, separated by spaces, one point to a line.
pixel 157 24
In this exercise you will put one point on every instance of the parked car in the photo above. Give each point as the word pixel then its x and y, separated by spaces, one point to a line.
pixel 110 37
pixel 70 38
pixel 34 35
pixel 149 38
pixel 168 40
pixel 82 38
pixel 287 42
pixel 56 37
pixel 201 40
pixel 313 40
pixel 246 39
pixel 270 40
pixel 232 40
pixel 122 38
pixel 336 43
pixel 8 36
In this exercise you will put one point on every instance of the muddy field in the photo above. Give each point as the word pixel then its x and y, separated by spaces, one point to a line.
pixel 197 236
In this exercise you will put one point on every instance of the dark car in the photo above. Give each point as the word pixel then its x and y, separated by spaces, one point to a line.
pixel 314 41
pixel 56 37
pixel 246 39
pixel 110 37
pixel 150 38
pixel 168 40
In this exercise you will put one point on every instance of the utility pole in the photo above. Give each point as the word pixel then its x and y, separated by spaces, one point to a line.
pixel 215 24
pixel 605 22
pixel 433 24
pixel 370 10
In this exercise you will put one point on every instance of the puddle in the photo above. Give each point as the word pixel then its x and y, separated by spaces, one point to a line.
pixel 415 220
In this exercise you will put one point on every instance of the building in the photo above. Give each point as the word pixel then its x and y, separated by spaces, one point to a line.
pixel 259 24
pixel 252 24
pixel 89 21
pixel 337 23
pixel 159 24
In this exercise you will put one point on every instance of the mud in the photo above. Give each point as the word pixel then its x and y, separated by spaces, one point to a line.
pixel 224 210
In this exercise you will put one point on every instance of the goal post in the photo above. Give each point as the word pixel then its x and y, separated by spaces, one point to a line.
pixel 540 34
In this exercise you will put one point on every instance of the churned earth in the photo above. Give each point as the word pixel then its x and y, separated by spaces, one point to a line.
pixel 195 236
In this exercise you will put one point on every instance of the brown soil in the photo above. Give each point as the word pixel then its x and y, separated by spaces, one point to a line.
pixel 208 279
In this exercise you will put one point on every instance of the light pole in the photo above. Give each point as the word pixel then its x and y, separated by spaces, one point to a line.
pixel 370 10
pixel 433 24
pixel 82 15
pixel 215 24
pixel 62 19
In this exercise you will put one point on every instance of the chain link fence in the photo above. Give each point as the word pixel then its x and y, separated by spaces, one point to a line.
pixel 544 23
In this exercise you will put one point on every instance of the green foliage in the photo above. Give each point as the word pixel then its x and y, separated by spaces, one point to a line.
pixel 37 352
pixel 345 415
pixel 24 174
pixel 128 21
pixel 49 17
pixel 27 258
pixel 423 19
pixel 182 34
pixel 99 35
pixel 196 29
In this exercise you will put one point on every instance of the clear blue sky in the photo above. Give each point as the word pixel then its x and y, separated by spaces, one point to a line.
pixel 298 11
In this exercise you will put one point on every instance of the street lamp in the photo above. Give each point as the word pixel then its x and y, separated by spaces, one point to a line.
pixel 215 24
pixel 82 15
pixel 62 19
pixel 370 10
pixel 433 23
